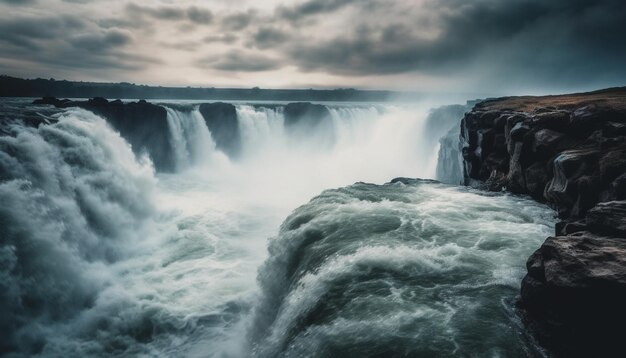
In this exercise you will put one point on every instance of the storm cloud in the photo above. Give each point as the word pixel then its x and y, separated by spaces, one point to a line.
pixel 192 13
pixel 486 43
pixel 239 61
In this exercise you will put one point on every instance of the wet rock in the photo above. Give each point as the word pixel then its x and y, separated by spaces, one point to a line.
pixel 569 227
pixel 221 119
pixel 59 103
pixel 572 155
pixel 562 191
pixel 548 142
pixel 305 113
pixel 518 131
pixel 536 179
pixel 608 218
pixel 142 124
pixel 307 120
pixel 573 294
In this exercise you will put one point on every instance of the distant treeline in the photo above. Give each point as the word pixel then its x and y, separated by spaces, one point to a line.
pixel 19 87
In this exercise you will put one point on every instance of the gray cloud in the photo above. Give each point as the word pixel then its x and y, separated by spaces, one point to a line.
pixel 50 42
pixel 193 13
pixel 190 46
pixel 238 21
pixel 238 61
pixel 224 38
pixel 17 2
pixel 552 39
pixel 29 32
pixel 313 7
pixel 163 12
pixel 199 16
pixel 102 41
pixel 529 41
pixel 266 37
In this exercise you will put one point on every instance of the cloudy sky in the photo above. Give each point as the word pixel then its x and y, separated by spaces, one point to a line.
pixel 428 45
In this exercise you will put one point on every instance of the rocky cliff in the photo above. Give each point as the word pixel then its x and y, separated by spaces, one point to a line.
pixel 142 124
pixel 568 151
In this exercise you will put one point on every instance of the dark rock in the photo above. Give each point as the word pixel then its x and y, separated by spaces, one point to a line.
pixel 221 119
pixel 554 120
pixel 562 191
pixel 613 164
pixel 518 131
pixel 536 177
pixel 573 294
pixel 588 189
pixel 412 181
pixel 142 124
pixel 584 120
pixel 60 103
pixel 548 142
pixel 613 129
pixel 608 218
pixel 303 119
pixel 572 155
pixel 305 112
pixel 617 189
pixel 569 227
pixel 99 101
pixel 515 179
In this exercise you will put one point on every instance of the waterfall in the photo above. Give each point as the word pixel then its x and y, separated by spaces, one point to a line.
pixel 362 142
pixel 75 201
pixel 190 138
pixel 443 125
pixel 261 129
pixel 101 256
pixel 450 160
pixel 371 143
pixel 413 268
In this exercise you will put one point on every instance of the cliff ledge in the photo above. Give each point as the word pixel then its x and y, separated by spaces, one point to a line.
pixel 568 151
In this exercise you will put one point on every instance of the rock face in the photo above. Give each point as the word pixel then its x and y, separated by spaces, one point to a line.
pixel 306 120
pixel 569 152
pixel 142 124
pixel 305 113
pixel 221 119
pixel 574 293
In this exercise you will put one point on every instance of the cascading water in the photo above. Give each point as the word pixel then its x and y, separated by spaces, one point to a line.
pixel 190 138
pixel 413 268
pixel 364 143
pixel 101 256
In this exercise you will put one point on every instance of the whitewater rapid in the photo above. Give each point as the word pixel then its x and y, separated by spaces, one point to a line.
pixel 412 268
pixel 103 256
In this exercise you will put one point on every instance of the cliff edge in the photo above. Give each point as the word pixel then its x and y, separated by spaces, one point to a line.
pixel 568 151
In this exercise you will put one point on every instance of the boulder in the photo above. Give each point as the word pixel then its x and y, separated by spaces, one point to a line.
pixel 573 295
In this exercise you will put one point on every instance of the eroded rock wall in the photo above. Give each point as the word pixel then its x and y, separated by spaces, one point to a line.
pixel 569 152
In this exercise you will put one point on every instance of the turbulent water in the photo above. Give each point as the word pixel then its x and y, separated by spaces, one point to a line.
pixel 102 256
pixel 415 269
